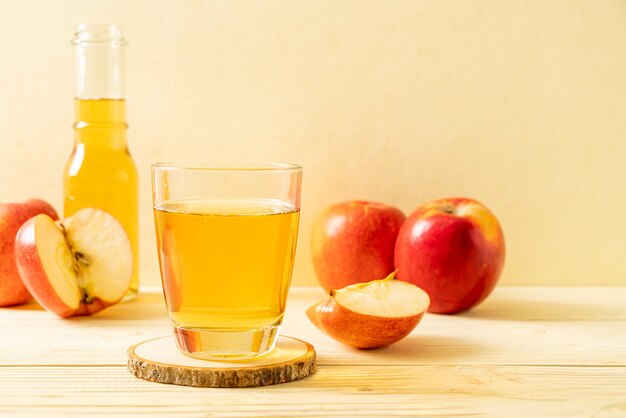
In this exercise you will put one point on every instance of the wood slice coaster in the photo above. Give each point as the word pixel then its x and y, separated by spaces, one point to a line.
pixel 159 360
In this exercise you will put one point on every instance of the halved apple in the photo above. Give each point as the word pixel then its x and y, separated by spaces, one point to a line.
pixel 372 314
pixel 77 266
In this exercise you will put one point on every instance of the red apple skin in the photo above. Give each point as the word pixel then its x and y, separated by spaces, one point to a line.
pixel 34 277
pixel 359 330
pixel 33 273
pixel 454 250
pixel 12 216
pixel 353 242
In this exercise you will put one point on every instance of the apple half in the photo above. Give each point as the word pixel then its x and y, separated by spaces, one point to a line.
pixel 77 266
pixel 372 314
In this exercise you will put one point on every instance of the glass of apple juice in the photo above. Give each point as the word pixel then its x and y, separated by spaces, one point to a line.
pixel 226 237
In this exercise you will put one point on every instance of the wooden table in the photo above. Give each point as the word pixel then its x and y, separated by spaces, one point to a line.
pixel 525 352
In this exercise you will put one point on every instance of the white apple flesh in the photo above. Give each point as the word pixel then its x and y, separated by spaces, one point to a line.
pixel 77 266
pixel 372 314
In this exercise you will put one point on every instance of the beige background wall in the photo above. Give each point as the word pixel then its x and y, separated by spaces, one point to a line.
pixel 521 104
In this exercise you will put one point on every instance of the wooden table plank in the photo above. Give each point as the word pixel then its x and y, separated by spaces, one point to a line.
pixel 334 390
pixel 525 352
pixel 437 341
pixel 485 336
pixel 519 303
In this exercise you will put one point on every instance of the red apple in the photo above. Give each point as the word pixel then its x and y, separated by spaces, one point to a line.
pixel 370 315
pixel 353 242
pixel 454 250
pixel 12 216
pixel 77 266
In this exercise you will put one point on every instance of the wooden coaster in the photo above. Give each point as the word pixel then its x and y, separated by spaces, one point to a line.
pixel 159 360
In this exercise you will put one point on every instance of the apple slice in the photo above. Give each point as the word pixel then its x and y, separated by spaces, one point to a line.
pixel 372 314
pixel 77 266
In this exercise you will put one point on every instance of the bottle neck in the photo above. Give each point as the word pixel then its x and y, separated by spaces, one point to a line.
pixel 101 124
pixel 100 108
pixel 99 62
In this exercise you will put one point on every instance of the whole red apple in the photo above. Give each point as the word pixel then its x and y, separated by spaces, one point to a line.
pixel 12 216
pixel 353 242
pixel 454 250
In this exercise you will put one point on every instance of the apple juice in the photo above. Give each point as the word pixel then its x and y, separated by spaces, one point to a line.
pixel 100 172
pixel 226 264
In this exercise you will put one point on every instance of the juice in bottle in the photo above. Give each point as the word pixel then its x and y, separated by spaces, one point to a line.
pixel 100 171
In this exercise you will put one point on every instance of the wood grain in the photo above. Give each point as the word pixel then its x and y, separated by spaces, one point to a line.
pixel 548 334
pixel 333 391
pixel 525 352
pixel 159 361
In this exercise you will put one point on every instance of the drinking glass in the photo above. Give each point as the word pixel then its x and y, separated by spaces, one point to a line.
pixel 226 237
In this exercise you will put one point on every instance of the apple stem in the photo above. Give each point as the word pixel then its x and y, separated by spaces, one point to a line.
pixel 449 209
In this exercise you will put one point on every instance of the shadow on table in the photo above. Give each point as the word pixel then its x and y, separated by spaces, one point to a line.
pixel 421 349
pixel 30 306
pixel 145 306
pixel 516 310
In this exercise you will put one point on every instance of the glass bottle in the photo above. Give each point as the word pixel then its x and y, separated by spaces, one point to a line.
pixel 100 171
